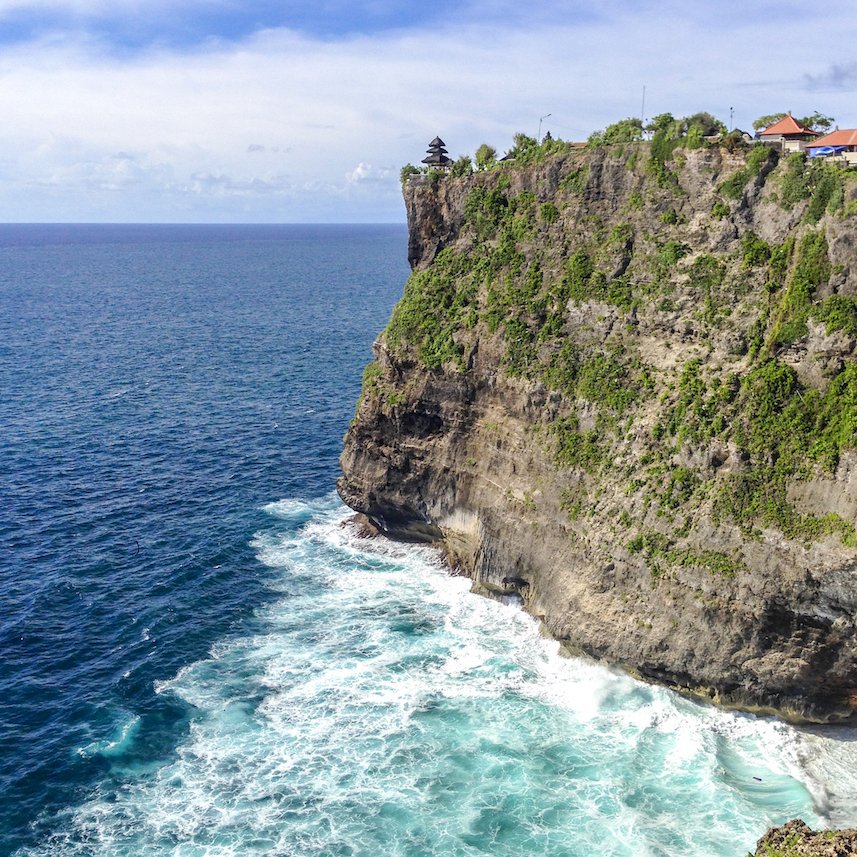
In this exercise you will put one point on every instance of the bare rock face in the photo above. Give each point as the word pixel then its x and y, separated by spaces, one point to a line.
pixel 635 415
pixel 796 839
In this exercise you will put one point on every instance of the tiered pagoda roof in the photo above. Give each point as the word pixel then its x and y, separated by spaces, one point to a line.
pixel 437 155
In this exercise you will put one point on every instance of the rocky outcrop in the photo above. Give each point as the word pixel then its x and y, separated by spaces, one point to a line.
pixel 797 839
pixel 627 393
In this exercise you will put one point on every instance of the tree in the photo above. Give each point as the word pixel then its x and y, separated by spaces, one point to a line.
pixel 486 156
pixel 523 145
pixel 707 124
pixel 818 121
pixel 624 131
pixel 766 121
pixel 662 122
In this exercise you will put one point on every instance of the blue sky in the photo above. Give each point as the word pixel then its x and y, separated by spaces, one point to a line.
pixel 131 26
pixel 228 111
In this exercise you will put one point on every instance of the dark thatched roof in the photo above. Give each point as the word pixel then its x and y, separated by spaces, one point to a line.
pixel 437 159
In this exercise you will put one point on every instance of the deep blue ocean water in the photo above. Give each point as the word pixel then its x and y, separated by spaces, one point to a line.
pixel 199 659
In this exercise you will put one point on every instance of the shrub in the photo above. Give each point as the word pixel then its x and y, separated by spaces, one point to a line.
pixel 575 448
pixel 463 166
pixel 781 255
pixel 575 181
pixel 694 139
pixel 604 380
pixel 794 184
pixel 660 152
pixel 706 276
pixel 371 376
pixel 786 426
pixel 828 193
pixel 549 213
pixel 679 488
pixel 578 270
pixel 635 201
pixel 668 255
pixel 485 210
pixel 755 251
pixel 838 313
pixel 407 171
pixel 621 236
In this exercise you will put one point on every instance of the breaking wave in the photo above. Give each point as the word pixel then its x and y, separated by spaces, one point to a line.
pixel 376 706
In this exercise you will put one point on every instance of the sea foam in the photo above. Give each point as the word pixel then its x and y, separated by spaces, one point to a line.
pixel 378 707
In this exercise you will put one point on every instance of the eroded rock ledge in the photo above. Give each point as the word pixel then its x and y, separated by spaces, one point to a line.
pixel 797 839
pixel 629 395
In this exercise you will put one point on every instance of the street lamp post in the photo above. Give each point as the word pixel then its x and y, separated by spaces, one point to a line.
pixel 542 119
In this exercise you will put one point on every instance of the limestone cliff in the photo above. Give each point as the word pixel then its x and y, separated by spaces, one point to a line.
pixel 622 385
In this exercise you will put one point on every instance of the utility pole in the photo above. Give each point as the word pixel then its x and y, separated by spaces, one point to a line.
pixel 731 116
pixel 643 107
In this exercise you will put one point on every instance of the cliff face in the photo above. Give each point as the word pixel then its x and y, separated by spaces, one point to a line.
pixel 623 386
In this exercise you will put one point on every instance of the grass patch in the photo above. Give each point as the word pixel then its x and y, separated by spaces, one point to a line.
pixel 812 269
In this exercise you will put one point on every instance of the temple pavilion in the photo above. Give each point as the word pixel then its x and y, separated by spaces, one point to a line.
pixel 437 155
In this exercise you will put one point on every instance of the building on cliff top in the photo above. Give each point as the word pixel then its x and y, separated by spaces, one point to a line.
pixel 840 145
pixel 788 134
pixel 437 155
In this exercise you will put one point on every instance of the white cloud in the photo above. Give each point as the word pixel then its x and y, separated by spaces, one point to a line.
pixel 271 128
pixel 365 174
pixel 206 184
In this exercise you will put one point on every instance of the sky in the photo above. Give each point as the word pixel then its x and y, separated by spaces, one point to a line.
pixel 228 111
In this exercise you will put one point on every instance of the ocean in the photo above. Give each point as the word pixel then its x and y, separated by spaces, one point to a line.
pixel 201 658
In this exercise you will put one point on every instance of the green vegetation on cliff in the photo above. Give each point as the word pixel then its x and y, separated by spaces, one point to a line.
pixel 576 291
pixel 624 376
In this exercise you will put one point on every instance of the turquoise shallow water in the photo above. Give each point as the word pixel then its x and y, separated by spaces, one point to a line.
pixel 200 659
pixel 377 707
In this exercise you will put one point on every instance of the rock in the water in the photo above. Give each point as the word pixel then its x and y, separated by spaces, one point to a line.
pixel 796 839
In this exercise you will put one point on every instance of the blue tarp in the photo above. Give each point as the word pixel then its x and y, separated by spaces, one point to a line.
pixel 822 151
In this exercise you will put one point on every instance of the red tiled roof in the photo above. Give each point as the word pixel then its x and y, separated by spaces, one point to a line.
pixel 787 125
pixel 846 137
